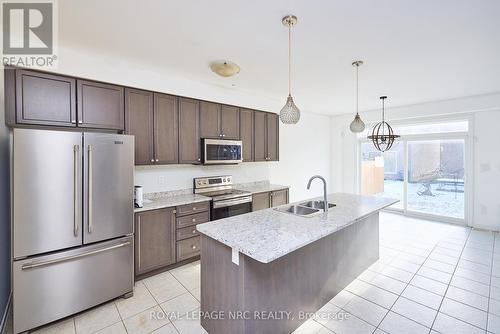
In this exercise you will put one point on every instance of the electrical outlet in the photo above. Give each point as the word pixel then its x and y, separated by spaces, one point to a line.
pixel 161 180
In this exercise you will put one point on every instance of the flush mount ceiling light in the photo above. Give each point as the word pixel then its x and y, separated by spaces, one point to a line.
pixel 357 124
pixel 225 68
pixel 383 136
pixel 289 114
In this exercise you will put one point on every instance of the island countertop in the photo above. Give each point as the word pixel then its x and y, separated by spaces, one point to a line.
pixel 267 235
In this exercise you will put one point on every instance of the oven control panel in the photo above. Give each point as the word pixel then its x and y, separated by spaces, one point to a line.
pixel 214 181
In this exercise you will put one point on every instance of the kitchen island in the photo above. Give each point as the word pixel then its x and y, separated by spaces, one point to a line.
pixel 266 271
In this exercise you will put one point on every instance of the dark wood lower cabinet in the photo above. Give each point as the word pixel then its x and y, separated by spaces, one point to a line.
pixel 279 197
pixel 266 200
pixel 164 237
pixel 154 239
pixel 261 201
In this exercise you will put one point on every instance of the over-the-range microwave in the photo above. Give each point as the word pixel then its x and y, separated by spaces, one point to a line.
pixel 221 151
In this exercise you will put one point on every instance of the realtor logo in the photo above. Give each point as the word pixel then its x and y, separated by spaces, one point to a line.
pixel 28 33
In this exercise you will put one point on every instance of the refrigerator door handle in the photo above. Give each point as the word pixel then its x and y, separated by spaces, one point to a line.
pixel 91 227
pixel 76 150
pixel 71 257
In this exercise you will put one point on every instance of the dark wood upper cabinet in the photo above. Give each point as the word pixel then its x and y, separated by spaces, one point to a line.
pixel 247 133
pixel 100 105
pixel 155 239
pixel 166 131
pixel 40 98
pixel 272 137
pixel 189 134
pixel 210 120
pixel 167 128
pixel 260 149
pixel 218 121
pixel 139 123
pixel 230 122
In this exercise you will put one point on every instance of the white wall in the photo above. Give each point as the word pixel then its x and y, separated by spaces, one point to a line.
pixel 304 152
pixel 486 168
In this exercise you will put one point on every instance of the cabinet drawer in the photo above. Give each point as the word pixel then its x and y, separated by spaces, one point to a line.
pixel 199 218
pixel 188 248
pixel 187 232
pixel 189 209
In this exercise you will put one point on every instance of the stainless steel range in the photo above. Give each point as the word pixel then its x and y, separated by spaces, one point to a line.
pixel 226 201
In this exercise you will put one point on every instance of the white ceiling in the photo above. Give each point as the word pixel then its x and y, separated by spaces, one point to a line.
pixel 414 51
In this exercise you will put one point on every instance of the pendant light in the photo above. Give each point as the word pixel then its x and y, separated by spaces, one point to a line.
pixel 289 114
pixel 383 136
pixel 357 124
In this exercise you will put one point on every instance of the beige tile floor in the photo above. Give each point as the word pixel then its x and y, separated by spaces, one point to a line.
pixel 431 278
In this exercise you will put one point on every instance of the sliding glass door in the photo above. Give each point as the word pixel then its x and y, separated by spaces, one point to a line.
pixel 436 177
pixel 382 174
pixel 426 172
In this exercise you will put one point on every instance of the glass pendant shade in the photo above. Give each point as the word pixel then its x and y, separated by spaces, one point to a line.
pixel 357 125
pixel 290 114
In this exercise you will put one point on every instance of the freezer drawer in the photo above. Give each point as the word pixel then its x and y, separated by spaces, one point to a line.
pixel 51 287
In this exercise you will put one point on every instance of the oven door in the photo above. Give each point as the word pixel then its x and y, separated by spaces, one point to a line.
pixel 231 207
pixel 220 151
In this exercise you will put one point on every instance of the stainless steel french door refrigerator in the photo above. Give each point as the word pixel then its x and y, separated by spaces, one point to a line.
pixel 72 224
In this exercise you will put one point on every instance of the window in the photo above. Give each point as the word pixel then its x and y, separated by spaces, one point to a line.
pixel 425 169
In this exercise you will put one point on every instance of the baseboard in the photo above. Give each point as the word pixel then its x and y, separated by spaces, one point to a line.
pixel 5 316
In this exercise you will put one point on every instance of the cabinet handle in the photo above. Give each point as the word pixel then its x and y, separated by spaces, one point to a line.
pixel 152 160
pixel 193 220
pixel 156 160
pixel 80 122
pixel 193 231
pixel 199 159
pixel 223 135
pixel 193 247
pixel 194 208
pixel 73 121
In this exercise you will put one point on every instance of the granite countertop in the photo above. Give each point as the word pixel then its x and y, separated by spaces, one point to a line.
pixel 170 200
pixel 261 187
pixel 269 234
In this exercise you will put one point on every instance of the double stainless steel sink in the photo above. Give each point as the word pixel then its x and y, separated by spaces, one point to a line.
pixel 305 209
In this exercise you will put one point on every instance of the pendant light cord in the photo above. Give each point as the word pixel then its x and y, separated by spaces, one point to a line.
pixel 289 58
pixel 357 89
pixel 383 116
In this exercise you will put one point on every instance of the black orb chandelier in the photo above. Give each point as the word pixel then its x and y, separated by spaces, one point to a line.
pixel 383 136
